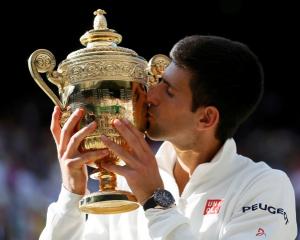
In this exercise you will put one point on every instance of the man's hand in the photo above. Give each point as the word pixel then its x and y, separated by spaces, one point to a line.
pixel 72 162
pixel 141 170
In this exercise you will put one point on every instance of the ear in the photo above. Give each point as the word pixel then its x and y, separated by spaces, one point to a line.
pixel 208 117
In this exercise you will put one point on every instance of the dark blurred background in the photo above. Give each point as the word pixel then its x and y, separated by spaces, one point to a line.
pixel 29 175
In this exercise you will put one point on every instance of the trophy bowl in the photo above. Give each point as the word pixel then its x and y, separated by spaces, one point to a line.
pixel 108 82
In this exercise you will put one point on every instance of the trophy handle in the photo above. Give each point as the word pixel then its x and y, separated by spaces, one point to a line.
pixel 43 61
pixel 156 67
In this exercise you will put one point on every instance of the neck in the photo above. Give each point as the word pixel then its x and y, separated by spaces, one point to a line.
pixel 189 159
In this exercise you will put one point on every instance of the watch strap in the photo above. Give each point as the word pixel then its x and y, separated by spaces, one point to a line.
pixel 150 203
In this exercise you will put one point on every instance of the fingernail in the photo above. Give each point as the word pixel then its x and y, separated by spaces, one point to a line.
pixel 92 124
pixel 77 111
pixel 57 109
pixel 117 122
pixel 104 138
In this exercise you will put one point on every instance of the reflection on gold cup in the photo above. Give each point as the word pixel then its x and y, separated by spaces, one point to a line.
pixel 108 82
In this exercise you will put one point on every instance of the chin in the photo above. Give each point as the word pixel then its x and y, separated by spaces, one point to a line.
pixel 154 135
pixel 154 132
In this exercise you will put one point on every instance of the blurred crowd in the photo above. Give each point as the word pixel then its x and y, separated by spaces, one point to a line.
pixel 30 176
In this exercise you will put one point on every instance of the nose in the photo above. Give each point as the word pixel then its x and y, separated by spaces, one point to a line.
pixel 153 95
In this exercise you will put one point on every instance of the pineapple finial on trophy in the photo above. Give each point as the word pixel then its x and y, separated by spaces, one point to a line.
pixel 100 21
pixel 101 35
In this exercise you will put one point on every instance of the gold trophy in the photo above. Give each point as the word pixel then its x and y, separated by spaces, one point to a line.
pixel 108 82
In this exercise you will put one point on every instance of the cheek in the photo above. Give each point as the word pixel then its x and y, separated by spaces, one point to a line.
pixel 185 119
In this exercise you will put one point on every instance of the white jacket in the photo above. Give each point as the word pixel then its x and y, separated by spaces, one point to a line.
pixel 230 197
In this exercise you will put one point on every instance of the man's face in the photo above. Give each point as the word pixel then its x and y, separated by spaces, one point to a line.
pixel 170 117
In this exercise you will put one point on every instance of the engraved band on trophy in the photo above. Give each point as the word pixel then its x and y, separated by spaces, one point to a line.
pixel 108 82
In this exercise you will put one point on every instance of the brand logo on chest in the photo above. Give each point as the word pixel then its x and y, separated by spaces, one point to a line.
pixel 213 206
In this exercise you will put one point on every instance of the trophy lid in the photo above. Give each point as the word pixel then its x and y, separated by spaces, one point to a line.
pixel 100 35
pixel 102 59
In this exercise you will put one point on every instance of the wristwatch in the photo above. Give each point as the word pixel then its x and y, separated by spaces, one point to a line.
pixel 161 199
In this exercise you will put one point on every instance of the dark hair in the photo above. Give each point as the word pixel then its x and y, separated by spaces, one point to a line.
pixel 226 74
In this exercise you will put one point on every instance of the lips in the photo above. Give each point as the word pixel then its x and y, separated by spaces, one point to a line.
pixel 149 119
pixel 150 112
pixel 150 115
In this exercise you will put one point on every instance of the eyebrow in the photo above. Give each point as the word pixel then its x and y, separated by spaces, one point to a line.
pixel 168 83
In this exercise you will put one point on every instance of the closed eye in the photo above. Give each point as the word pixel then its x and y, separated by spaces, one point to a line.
pixel 168 86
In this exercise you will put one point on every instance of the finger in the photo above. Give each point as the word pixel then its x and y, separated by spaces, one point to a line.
pixel 131 139
pixel 134 130
pixel 77 138
pixel 68 129
pixel 119 150
pixel 120 170
pixel 139 135
pixel 86 158
pixel 55 125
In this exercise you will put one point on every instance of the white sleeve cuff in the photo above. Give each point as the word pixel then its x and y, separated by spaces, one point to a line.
pixel 68 202
pixel 164 222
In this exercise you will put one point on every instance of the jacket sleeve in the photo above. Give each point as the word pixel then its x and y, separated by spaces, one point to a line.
pixel 266 210
pixel 64 220
pixel 168 224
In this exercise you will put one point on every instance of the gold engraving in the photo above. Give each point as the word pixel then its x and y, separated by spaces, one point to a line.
pixel 43 62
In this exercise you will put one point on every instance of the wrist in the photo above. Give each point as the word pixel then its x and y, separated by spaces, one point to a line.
pixel 160 199
pixel 79 190
pixel 146 199
pixel 143 197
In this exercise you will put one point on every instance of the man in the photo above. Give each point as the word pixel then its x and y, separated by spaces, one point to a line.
pixel 211 86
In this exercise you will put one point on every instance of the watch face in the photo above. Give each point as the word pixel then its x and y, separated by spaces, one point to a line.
pixel 163 198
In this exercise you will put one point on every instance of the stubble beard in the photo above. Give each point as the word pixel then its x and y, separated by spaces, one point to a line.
pixel 154 132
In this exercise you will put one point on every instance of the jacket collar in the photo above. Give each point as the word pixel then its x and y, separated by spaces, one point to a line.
pixel 209 172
